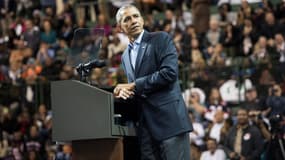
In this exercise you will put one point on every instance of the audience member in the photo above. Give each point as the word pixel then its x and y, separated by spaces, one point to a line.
pixel 238 46
pixel 243 141
pixel 218 127
pixel 213 152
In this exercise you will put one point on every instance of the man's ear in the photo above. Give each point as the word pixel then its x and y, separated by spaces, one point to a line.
pixel 119 27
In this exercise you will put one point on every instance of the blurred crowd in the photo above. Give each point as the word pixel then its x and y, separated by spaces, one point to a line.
pixel 231 65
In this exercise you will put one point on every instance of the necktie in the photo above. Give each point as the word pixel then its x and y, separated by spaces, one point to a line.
pixel 133 53
pixel 238 141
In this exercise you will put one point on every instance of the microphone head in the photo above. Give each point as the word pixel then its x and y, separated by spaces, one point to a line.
pixel 95 64
pixel 101 63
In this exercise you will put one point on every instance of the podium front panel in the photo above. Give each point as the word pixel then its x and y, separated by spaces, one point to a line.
pixel 80 111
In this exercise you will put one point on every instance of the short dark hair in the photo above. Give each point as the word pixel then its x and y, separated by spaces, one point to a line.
pixel 212 139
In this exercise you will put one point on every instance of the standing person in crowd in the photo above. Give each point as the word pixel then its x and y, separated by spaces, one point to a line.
pixel 151 65
pixel 251 99
pixel 275 101
pixel 256 118
pixel 219 127
pixel 280 48
pixel 214 35
pixel 198 133
pixel 244 141
pixel 270 27
pixel 280 12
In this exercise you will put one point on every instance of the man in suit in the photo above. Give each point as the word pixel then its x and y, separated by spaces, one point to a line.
pixel 150 63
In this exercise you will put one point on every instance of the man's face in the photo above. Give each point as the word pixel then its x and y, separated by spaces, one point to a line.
pixel 279 39
pixel 211 145
pixel 251 95
pixel 242 117
pixel 131 22
pixel 219 116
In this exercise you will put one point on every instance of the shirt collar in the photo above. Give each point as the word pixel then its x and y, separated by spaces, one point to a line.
pixel 137 41
pixel 242 127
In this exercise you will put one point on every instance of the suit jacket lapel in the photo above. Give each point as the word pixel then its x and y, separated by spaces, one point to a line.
pixel 141 52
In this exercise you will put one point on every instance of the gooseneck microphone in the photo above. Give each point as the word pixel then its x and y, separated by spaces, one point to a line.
pixel 84 68
pixel 93 64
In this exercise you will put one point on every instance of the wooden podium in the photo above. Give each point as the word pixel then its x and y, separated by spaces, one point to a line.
pixel 84 115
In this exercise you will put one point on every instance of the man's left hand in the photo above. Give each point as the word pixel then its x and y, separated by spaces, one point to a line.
pixel 124 90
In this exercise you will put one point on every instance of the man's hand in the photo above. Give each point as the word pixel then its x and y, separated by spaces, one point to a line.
pixel 232 155
pixel 242 158
pixel 125 90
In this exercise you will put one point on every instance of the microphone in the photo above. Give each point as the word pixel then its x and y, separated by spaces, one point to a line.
pixel 96 63
pixel 86 67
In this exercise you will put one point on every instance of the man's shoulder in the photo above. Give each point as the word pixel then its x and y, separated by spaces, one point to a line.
pixel 253 128
pixel 159 34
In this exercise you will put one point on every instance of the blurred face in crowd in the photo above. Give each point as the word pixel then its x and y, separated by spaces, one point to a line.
pixel 32 155
pixel 262 42
pixel 251 95
pixel 194 44
pixel 215 94
pixel 211 145
pixel 244 3
pixel 219 116
pixel 276 90
pixel 17 136
pixel 102 19
pixel 47 26
pixel 242 117
pixel 194 97
pixel 49 11
pixel 247 23
pixel 168 14
pixel 29 24
pixel 214 25
pixel 253 115
pixel 279 39
pixel 130 22
pixel 42 109
pixel 269 18
pixel 224 8
pixel 167 28
pixel 33 131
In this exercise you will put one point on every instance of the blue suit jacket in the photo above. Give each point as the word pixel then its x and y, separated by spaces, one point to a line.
pixel 157 88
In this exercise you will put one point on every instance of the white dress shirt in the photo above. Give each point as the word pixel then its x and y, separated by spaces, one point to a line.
pixel 134 49
pixel 219 154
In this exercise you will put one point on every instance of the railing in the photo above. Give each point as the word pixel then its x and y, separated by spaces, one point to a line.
pixel 237 69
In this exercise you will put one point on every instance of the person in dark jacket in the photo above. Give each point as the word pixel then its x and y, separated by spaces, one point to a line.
pixel 151 65
pixel 244 141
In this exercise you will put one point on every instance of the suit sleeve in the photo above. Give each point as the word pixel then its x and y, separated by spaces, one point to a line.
pixel 167 72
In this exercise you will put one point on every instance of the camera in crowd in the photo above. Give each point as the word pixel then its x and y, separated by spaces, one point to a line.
pixel 255 115
pixel 275 122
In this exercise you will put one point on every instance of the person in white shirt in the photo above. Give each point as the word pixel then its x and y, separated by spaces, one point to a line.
pixel 212 152
pixel 197 135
